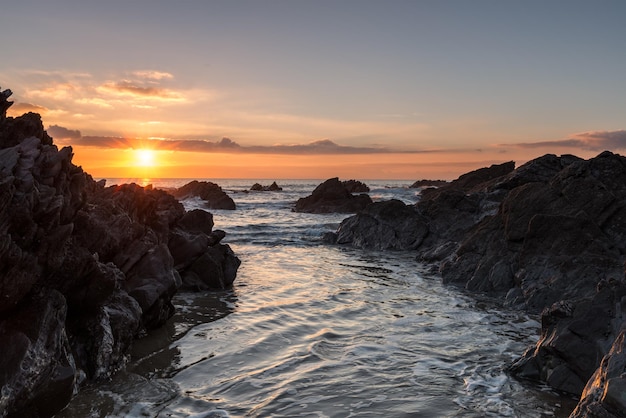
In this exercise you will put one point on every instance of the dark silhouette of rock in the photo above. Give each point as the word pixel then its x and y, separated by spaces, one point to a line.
pixel 549 236
pixel 211 193
pixel 385 225
pixel 428 183
pixel 257 187
pixel 355 186
pixel 332 196
pixel 84 269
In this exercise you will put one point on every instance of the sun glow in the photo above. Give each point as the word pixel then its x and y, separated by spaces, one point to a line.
pixel 145 158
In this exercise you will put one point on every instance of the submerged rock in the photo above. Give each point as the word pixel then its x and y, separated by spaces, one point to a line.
pixel 85 269
pixel 211 193
pixel 332 196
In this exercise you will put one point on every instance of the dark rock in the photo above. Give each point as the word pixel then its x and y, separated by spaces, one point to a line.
pixel 257 187
pixel 604 395
pixel 384 225
pixel 197 221
pixel 332 196
pixel 428 183
pixel 211 193
pixel 37 368
pixel 355 186
pixel 214 269
pixel 575 336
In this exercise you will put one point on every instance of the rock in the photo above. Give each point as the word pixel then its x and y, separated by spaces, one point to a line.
pixel 214 269
pixel 605 393
pixel 85 269
pixel 38 371
pixel 384 225
pixel 213 194
pixel 332 196
pixel 575 336
pixel 428 183
pixel 355 186
pixel 4 103
pixel 257 187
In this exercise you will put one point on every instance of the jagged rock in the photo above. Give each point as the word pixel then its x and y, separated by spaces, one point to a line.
pixel 211 193
pixel 355 186
pixel 332 196
pixel 84 268
pixel 575 336
pixel 4 103
pixel 257 187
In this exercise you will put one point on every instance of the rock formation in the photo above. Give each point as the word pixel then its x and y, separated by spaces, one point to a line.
pixel 211 193
pixel 355 186
pixel 85 269
pixel 550 237
pixel 257 187
pixel 332 196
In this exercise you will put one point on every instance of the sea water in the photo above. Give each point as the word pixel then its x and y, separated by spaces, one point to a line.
pixel 317 330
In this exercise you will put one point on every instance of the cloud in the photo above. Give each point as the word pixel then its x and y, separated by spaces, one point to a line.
pixel 153 75
pixel 25 107
pixel 592 141
pixel 59 132
pixel 134 89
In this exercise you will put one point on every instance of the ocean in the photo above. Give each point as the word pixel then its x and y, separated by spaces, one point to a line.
pixel 317 330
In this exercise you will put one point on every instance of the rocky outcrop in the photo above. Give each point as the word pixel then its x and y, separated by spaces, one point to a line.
pixel 428 183
pixel 355 186
pixel 332 196
pixel 211 193
pixel 548 236
pixel 84 268
pixel 257 187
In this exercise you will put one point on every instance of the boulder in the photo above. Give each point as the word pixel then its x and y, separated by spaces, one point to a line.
pixel 330 197
pixel 211 193
pixel 389 225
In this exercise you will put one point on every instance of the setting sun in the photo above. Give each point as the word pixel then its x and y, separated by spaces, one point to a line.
pixel 145 158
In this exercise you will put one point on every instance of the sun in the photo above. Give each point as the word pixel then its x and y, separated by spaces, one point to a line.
pixel 145 158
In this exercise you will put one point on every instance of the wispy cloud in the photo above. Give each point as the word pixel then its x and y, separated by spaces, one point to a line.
pixel 592 140
pixel 153 75
pixel 135 89
pixel 19 108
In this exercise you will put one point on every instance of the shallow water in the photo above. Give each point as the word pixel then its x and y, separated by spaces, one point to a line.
pixel 312 330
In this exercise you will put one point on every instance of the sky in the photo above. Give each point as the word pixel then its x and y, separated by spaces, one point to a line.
pixel 273 89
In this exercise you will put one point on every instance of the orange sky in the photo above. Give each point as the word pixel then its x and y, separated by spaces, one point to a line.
pixel 129 163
